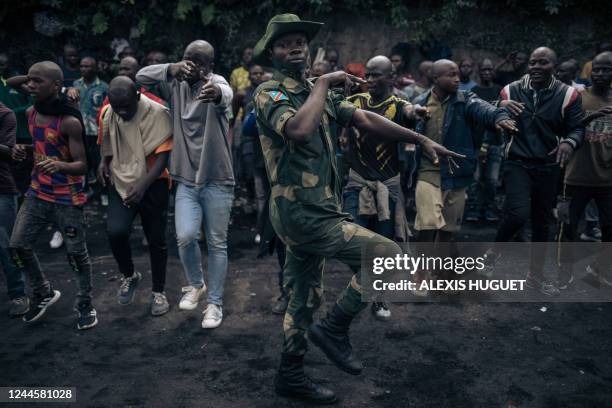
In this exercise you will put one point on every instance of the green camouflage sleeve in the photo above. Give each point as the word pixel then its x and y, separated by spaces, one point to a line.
pixel 344 110
pixel 273 109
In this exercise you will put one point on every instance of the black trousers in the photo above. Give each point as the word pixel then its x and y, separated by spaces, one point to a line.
pixel 579 198
pixel 153 210
pixel 531 190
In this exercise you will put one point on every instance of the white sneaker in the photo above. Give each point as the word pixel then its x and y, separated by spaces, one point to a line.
pixel 57 240
pixel 257 239
pixel 191 297
pixel 213 315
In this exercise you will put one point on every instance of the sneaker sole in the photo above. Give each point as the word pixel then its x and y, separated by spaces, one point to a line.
pixel 381 318
pixel 128 302
pixel 88 326
pixel 211 327
pixel 56 295
pixel 195 305
pixel 189 307
pixel 160 313
pixel 589 238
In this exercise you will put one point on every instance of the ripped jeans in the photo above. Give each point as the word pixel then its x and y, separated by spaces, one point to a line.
pixel 33 217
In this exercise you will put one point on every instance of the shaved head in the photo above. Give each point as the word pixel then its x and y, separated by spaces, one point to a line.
pixel 541 66
pixel 424 67
pixel 445 74
pixel 129 61
pixel 201 48
pixel 48 70
pixel 123 97
pixel 603 58
pixel 202 54
pixel 545 51
pixel 379 75
pixel 441 67
pixel 129 66
pixel 382 63
pixel 121 86
pixel 566 71
pixel 44 81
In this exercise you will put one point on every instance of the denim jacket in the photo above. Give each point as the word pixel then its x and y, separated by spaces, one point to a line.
pixel 464 114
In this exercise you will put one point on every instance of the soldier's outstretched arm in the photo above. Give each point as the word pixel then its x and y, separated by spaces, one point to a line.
pixel 308 118
pixel 372 123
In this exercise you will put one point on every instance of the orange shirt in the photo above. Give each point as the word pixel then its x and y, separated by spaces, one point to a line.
pixel 164 147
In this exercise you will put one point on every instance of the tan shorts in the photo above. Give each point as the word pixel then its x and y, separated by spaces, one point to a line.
pixel 437 209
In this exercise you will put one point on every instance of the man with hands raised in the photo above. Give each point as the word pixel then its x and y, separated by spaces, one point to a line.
pixel 200 162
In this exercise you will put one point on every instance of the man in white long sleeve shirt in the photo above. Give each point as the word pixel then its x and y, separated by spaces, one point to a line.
pixel 200 102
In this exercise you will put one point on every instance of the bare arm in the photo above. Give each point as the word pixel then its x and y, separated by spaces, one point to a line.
pixel 606 110
pixel 72 128
pixel 371 122
pixel 137 191
pixel 161 161
pixel 384 128
pixel 19 83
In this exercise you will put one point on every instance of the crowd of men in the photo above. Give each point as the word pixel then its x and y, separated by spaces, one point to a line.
pixel 333 158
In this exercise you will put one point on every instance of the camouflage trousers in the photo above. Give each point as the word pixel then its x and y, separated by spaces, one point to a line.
pixel 304 271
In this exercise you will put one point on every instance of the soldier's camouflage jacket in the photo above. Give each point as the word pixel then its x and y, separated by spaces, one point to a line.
pixel 305 192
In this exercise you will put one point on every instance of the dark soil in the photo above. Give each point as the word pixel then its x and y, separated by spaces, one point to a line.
pixel 428 355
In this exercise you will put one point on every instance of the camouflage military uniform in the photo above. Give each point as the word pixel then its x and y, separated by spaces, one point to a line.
pixel 305 208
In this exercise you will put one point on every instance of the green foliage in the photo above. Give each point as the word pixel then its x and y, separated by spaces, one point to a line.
pixel 230 24
pixel 183 8
pixel 99 23
pixel 208 14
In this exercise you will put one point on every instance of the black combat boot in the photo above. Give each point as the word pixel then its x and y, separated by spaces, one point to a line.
pixel 331 336
pixel 290 381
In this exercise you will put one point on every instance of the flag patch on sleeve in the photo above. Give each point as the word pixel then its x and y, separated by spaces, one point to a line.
pixel 277 96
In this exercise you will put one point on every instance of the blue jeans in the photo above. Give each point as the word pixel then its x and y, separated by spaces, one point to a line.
pixel 212 205
pixel 15 282
pixel 350 204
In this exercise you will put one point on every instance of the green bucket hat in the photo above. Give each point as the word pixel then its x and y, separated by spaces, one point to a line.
pixel 282 24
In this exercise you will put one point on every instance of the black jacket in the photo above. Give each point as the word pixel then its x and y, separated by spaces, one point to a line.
pixel 551 116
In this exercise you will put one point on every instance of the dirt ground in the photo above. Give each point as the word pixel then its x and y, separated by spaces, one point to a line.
pixel 428 355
